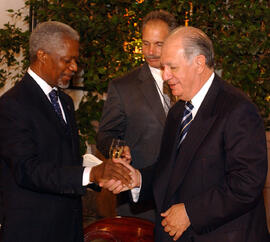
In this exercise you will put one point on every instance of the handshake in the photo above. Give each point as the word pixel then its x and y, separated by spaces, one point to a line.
pixel 116 174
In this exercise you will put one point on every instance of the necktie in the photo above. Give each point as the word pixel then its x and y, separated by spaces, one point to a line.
pixel 185 123
pixel 54 100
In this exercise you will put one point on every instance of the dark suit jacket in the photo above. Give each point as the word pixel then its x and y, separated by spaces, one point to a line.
pixel 133 111
pixel 218 173
pixel 1 199
pixel 41 168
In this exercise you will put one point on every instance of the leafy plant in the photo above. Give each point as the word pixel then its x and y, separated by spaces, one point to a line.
pixel 110 44
pixel 13 41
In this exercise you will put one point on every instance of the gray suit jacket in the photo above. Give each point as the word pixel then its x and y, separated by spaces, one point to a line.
pixel 133 111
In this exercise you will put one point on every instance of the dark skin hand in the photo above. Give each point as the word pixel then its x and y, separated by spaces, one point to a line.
pixel 116 186
pixel 109 170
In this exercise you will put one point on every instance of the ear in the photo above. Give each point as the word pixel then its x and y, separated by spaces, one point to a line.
pixel 200 63
pixel 42 56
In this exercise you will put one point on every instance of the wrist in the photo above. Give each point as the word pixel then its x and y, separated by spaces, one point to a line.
pixel 92 175
pixel 139 177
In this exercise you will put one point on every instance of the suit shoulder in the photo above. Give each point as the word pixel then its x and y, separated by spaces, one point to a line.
pixel 235 94
pixel 128 78
pixel 13 102
pixel 233 97
pixel 17 92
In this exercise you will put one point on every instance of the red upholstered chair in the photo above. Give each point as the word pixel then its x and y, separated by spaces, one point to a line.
pixel 120 229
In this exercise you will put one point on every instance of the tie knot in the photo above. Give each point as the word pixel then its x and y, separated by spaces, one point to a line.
pixel 53 95
pixel 189 106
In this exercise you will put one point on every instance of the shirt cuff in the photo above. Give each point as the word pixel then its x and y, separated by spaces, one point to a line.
pixel 135 192
pixel 86 176
pixel 89 161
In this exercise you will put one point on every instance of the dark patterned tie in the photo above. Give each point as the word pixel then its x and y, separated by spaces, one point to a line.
pixel 54 100
pixel 185 123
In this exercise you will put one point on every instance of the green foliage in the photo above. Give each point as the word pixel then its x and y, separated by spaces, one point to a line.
pixel 110 32
pixel 13 41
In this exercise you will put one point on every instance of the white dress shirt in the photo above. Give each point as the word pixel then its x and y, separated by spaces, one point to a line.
pixel 197 100
pixel 156 73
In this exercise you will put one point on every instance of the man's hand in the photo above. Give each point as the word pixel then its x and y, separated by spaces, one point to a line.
pixel 111 171
pixel 175 220
pixel 126 154
pixel 117 186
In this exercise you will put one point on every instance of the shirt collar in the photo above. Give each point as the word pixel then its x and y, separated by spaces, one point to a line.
pixel 155 70
pixel 199 97
pixel 156 73
pixel 46 88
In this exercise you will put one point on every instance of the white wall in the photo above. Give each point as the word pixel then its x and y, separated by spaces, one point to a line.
pixel 10 4
pixel 5 17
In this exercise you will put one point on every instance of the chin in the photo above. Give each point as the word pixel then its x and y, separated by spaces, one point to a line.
pixel 63 84
pixel 175 93
pixel 153 64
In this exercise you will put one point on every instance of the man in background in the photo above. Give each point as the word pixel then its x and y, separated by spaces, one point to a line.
pixel 42 177
pixel 136 108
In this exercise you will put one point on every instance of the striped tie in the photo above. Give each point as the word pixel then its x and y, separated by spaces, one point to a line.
pixel 185 123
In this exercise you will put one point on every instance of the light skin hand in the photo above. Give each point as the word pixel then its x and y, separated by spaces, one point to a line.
pixel 116 186
pixel 108 171
pixel 113 185
pixel 126 154
pixel 175 220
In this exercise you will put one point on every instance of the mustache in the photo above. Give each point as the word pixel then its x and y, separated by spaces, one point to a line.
pixel 155 57
pixel 70 75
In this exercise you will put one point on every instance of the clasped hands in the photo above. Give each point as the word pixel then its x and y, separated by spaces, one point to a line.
pixel 116 175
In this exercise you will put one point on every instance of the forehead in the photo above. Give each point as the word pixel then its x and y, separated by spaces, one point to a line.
pixel 155 29
pixel 68 47
pixel 172 52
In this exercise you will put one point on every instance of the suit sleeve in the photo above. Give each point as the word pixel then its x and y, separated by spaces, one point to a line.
pixel 20 151
pixel 245 172
pixel 113 120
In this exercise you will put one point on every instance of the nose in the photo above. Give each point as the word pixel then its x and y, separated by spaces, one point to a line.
pixel 73 65
pixel 166 73
pixel 151 49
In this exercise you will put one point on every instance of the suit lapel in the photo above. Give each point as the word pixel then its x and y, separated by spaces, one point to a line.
pixel 66 107
pixel 38 98
pixel 149 90
pixel 167 157
pixel 199 129
pixel 71 122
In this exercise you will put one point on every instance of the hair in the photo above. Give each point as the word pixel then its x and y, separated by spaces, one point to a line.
pixel 162 16
pixel 48 36
pixel 196 42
